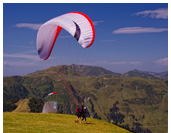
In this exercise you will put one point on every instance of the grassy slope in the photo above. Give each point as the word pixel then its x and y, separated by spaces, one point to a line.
pixel 37 122
pixel 22 106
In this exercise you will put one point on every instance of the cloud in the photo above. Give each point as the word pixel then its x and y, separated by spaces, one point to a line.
pixel 102 62
pixel 161 13
pixel 18 63
pixel 24 56
pixel 20 59
pixel 135 30
pixel 24 46
pixel 163 61
pixel 37 26
pixel 126 62
pixel 6 64
pixel 108 40
pixel 97 22
pixel 31 42
pixel 28 25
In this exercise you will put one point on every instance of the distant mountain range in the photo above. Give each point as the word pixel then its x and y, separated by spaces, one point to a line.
pixel 136 100
pixel 97 71
pixel 145 74
pixel 85 70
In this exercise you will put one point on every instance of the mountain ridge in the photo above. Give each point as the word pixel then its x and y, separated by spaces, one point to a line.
pixel 160 75
pixel 85 70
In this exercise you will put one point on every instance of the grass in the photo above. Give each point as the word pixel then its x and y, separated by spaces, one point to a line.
pixel 42 123
pixel 22 106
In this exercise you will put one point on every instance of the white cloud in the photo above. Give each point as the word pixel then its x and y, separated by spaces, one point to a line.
pixel 163 61
pixel 6 63
pixel 97 22
pixel 158 13
pixel 126 62
pixel 31 42
pixel 18 63
pixel 28 25
pixel 108 40
pixel 102 62
pixel 29 46
pixel 37 26
pixel 134 30
pixel 24 56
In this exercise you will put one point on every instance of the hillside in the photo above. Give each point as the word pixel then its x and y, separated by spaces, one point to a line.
pixel 92 70
pixel 145 74
pixel 36 122
pixel 135 103
pixel 22 106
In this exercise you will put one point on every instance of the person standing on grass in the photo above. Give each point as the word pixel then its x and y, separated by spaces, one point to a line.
pixel 83 115
pixel 78 114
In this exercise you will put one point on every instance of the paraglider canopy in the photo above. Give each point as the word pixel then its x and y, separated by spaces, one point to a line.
pixel 77 24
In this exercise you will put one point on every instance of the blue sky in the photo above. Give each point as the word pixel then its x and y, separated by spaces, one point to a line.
pixel 127 36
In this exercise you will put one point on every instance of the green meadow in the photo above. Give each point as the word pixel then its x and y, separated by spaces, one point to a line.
pixel 43 123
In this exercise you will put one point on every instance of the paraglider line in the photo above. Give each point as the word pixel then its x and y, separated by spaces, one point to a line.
pixel 67 87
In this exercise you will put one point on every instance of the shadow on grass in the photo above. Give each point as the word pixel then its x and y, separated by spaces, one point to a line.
pixel 85 123
pixel 88 123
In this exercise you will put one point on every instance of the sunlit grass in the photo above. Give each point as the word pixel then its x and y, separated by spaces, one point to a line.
pixel 38 122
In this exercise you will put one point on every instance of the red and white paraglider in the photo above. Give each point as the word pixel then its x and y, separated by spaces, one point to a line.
pixel 77 24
